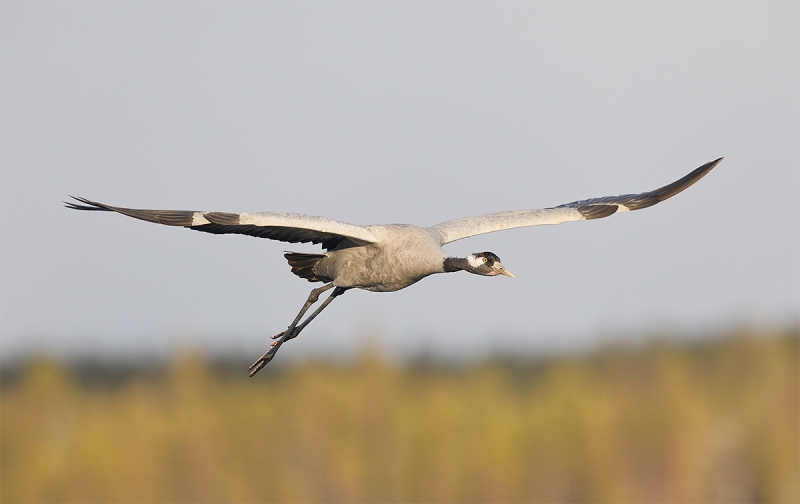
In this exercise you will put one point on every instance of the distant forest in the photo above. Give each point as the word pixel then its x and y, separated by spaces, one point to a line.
pixel 711 420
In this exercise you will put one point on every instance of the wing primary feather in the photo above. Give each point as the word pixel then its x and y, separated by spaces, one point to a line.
pixel 650 198
pixel 90 205
pixel 679 185
pixel 166 217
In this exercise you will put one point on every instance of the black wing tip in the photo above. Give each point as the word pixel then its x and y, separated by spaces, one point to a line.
pixel 698 173
pixel 167 217
pixel 88 204
pixel 711 164
pixel 684 183
pixel 597 208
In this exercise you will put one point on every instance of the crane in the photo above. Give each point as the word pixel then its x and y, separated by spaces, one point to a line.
pixel 384 258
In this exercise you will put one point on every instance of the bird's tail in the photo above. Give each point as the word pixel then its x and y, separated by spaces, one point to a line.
pixel 303 264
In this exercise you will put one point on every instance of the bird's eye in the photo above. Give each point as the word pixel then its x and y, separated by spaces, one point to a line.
pixel 485 260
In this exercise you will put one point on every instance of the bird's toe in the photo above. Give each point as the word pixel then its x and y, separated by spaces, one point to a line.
pixel 264 359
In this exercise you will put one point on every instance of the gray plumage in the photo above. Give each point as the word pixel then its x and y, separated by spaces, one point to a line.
pixel 385 258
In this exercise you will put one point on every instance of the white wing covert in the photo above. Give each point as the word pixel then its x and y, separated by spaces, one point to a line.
pixel 587 209
pixel 286 227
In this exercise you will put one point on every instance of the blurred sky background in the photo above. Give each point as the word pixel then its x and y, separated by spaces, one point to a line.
pixel 385 112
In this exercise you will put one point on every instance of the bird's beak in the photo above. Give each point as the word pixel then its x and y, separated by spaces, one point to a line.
pixel 500 270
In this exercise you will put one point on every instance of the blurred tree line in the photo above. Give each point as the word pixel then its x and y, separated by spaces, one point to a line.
pixel 709 421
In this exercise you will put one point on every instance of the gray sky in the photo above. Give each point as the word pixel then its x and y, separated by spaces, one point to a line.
pixel 382 112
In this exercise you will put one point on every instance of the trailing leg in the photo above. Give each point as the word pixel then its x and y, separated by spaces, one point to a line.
pixel 293 330
pixel 338 291
pixel 312 298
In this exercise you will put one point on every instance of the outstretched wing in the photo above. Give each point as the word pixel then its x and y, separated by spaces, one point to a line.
pixel 287 227
pixel 595 208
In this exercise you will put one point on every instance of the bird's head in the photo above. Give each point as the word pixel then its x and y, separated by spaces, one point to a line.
pixel 487 264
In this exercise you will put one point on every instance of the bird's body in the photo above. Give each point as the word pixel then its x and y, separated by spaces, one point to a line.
pixel 386 258
pixel 402 255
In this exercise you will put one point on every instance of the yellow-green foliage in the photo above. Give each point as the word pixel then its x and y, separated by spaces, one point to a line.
pixel 667 422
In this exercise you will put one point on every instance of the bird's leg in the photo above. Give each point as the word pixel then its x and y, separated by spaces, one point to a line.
pixel 338 291
pixel 312 298
pixel 294 329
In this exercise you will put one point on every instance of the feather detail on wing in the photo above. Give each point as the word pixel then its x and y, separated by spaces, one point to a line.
pixel 594 208
pixel 286 227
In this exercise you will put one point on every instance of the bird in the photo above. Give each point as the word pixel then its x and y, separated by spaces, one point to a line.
pixel 384 258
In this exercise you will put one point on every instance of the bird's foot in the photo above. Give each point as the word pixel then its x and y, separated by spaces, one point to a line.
pixel 264 359
pixel 279 338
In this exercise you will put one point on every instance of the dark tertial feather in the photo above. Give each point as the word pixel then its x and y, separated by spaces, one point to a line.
pixel 303 265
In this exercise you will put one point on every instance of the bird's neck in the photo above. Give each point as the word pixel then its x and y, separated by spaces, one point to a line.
pixel 456 264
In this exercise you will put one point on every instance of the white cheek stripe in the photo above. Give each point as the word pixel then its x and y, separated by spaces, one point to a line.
pixel 198 219
pixel 474 261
